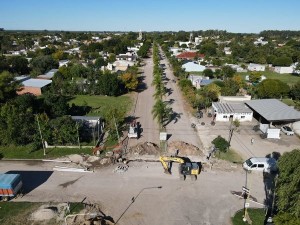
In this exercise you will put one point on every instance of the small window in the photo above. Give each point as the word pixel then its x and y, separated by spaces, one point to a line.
pixel 242 117
pixel 260 166
pixel 254 166
pixel 224 116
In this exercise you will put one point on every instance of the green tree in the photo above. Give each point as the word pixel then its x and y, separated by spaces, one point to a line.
pixel 41 64
pixel 130 80
pixel 272 88
pixel 295 91
pixel 221 144
pixel 282 61
pixel 100 62
pixel 231 87
pixel 19 65
pixel 227 71
pixel 64 131
pixel 55 105
pixel 288 189
pixel 254 77
pixel 160 111
pixel 8 86
pixel 208 73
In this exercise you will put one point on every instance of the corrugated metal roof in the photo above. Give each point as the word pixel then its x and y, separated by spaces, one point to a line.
pixel 273 110
pixel 36 83
pixel 87 118
pixel 228 108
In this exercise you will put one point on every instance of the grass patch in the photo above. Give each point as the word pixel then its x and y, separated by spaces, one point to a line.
pixel 19 212
pixel 25 152
pixel 256 215
pixel 288 101
pixel 230 156
pixel 16 212
pixel 100 103
pixel 286 78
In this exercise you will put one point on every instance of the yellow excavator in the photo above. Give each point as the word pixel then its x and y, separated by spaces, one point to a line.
pixel 186 168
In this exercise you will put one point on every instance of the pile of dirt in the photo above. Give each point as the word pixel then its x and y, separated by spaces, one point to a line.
pixel 49 212
pixel 146 148
pixel 184 149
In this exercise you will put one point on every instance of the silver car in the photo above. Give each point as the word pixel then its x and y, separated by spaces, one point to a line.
pixel 287 130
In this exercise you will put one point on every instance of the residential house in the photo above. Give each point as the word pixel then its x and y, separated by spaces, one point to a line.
pixel 127 57
pixel 199 81
pixel 49 75
pixel 227 51
pixel 189 55
pixel 225 112
pixel 193 67
pixel 63 62
pixel 237 68
pixel 34 86
pixel 260 41
pixel 256 67
pixel 283 69
pixel 122 65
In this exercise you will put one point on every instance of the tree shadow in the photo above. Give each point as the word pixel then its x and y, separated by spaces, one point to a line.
pixel 170 101
pixel 169 91
pixel 142 85
pixel 77 110
pixel 174 117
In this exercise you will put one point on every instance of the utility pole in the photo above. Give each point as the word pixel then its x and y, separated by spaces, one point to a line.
pixel 37 117
pixel 116 128
pixel 230 131
pixel 78 139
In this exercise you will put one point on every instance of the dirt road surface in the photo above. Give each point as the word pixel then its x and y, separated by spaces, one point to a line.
pixel 143 107
pixel 179 128
pixel 133 197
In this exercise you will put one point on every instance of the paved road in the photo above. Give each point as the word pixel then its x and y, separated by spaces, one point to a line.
pixel 176 203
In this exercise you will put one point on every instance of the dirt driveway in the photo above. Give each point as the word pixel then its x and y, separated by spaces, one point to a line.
pixel 205 201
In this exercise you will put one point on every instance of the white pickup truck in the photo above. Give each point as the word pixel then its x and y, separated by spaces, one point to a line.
pixel 133 130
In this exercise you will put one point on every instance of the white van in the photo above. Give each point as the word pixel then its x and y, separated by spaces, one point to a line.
pixel 260 164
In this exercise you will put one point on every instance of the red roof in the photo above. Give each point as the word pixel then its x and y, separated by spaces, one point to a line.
pixel 189 55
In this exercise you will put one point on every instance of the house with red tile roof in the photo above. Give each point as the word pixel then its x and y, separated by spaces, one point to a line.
pixel 189 55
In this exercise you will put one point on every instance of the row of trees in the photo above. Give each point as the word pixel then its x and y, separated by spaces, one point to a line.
pixel 161 111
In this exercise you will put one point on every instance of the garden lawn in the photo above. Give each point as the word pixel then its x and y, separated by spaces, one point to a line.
pixel 286 78
pixel 230 156
pixel 256 215
pixel 100 103
pixel 25 152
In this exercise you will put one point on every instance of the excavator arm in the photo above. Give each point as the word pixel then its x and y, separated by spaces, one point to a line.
pixel 165 159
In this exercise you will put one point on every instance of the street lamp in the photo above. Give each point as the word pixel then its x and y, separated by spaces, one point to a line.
pixel 133 199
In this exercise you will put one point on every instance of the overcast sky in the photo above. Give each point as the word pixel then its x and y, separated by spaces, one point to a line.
pixel 249 16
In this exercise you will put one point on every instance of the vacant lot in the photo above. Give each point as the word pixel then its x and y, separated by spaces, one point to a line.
pixel 286 78
pixel 100 104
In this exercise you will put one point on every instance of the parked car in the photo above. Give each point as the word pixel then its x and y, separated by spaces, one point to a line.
pixel 260 164
pixel 287 130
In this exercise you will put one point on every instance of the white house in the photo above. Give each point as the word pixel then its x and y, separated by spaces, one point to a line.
pixel 260 41
pixel 256 67
pixel 223 112
pixel 283 69
pixel 227 51
pixel 63 62
pixel 193 67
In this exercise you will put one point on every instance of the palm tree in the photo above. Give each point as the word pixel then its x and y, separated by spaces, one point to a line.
pixel 161 111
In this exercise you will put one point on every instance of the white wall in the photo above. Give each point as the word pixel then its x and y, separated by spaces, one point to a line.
pixel 236 116
pixel 282 69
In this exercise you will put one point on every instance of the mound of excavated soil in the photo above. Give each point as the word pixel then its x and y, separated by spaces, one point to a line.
pixel 146 148
pixel 184 149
